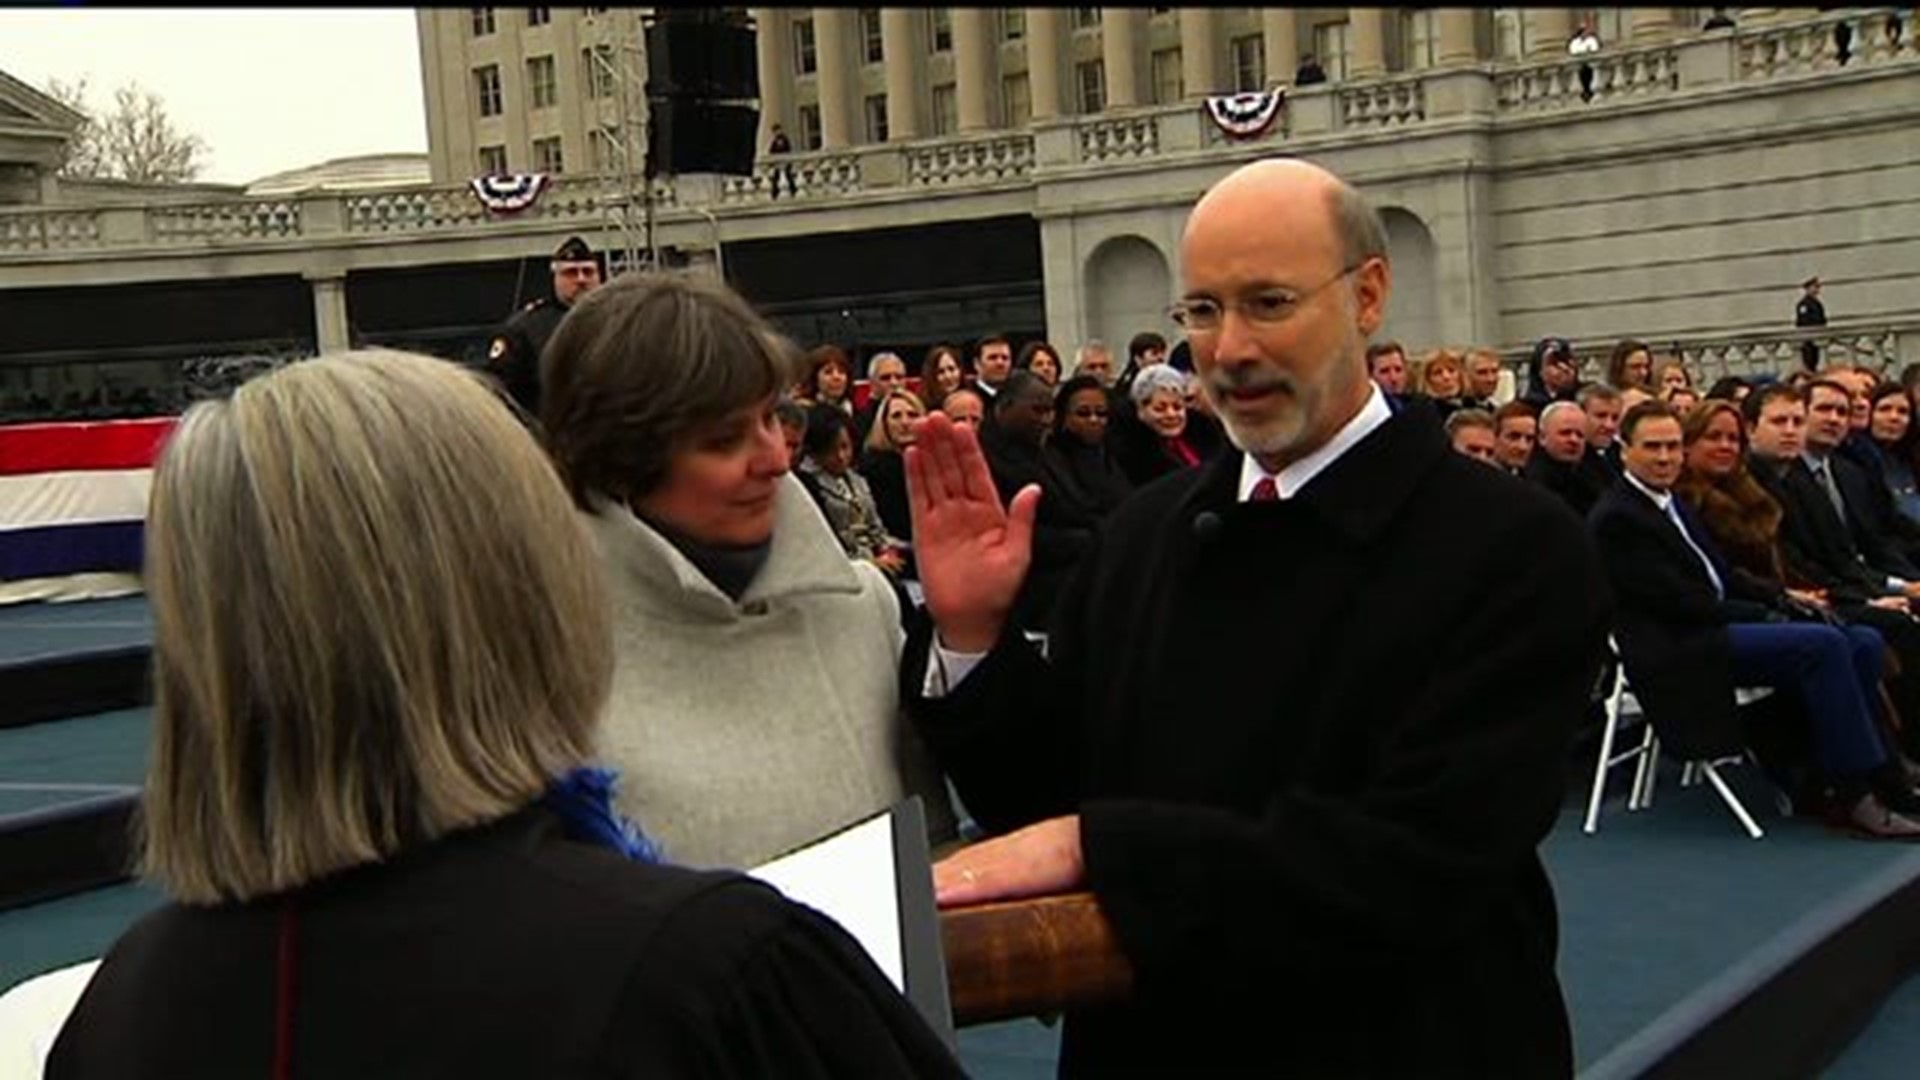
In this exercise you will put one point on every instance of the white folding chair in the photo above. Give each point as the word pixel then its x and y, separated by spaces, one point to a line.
pixel 1623 710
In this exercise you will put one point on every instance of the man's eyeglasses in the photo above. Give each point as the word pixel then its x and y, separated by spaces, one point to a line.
pixel 1204 315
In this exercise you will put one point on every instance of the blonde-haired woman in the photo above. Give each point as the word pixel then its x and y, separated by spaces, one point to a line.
pixel 1443 379
pixel 881 461
pixel 380 650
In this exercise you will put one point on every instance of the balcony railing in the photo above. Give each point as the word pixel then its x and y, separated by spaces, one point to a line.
pixel 1884 347
pixel 1602 77
pixel 1827 43
pixel 1055 149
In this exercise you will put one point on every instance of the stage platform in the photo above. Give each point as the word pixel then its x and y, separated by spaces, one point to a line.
pixel 1687 949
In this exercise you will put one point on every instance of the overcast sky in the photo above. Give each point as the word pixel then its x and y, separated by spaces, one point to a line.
pixel 267 90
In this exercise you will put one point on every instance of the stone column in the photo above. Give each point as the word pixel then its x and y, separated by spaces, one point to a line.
pixel 833 49
pixel 1120 52
pixel 1281 31
pixel 903 51
pixel 1649 24
pixel 1366 43
pixel 772 47
pixel 973 66
pixel 1548 31
pixel 330 313
pixel 1200 51
pixel 1043 60
pixel 1456 37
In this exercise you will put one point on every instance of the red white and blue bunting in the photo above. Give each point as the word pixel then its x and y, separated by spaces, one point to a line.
pixel 1245 116
pixel 508 194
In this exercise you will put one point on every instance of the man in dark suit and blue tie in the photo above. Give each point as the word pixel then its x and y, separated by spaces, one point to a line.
pixel 1691 628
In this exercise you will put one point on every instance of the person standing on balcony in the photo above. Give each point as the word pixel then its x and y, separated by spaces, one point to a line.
pixel 1584 41
pixel 514 355
pixel 779 146
pixel 1810 312
pixel 1309 73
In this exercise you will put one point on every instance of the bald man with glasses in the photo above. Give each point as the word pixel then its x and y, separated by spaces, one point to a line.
pixel 1304 777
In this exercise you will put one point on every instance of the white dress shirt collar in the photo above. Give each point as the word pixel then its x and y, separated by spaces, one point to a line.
pixel 1661 499
pixel 1297 475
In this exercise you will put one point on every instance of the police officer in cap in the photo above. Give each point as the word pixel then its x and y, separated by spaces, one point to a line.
pixel 514 354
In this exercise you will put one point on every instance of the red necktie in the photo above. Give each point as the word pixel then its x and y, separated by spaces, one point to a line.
pixel 1264 491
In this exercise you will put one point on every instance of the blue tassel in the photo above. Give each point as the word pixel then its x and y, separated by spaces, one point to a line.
pixel 583 800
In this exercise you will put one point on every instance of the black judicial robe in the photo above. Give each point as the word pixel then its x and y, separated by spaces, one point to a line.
pixel 501 951
pixel 1314 750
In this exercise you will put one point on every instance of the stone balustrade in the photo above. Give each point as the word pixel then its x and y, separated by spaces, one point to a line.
pixel 240 219
pixel 1055 149
pixel 1600 78
pixel 1118 138
pixel 1829 42
pixel 1383 103
pixel 1883 347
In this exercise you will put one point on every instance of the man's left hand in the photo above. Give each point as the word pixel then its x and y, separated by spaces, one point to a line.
pixel 1040 860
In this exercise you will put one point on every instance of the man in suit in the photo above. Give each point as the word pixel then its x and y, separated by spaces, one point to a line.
pixel 1318 862
pixel 1561 461
pixel 1849 489
pixel 1604 406
pixel 1691 628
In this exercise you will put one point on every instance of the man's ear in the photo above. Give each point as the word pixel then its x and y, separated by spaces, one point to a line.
pixel 1372 282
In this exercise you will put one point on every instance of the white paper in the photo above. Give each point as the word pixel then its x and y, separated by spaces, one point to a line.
pixel 850 878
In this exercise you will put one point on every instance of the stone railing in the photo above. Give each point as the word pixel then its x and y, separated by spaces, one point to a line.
pixel 1005 157
pixel 1600 78
pixel 1119 138
pixel 820 174
pixel 1884 347
pixel 1873 36
pixel 1391 102
pixel 581 198
pixel 49 230
pixel 241 219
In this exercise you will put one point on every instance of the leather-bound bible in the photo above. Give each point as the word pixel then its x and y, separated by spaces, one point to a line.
pixel 1030 958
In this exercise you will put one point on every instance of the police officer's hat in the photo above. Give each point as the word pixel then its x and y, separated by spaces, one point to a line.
pixel 1810 282
pixel 573 250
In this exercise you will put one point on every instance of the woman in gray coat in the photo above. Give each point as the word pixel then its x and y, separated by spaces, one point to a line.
pixel 755 701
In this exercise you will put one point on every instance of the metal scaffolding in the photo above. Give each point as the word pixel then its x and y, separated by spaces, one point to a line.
pixel 618 62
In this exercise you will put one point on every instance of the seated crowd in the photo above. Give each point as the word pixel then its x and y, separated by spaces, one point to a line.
pixel 1798 516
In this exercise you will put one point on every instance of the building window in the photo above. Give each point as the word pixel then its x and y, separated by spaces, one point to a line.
pixel 604 148
pixel 1084 17
pixel 876 118
pixel 542 89
pixel 1417 39
pixel 1169 83
pixel 1092 77
pixel 805 62
pixel 539 16
pixel 598 61
pixel 482 21
pixel 1016 101
pixel 871 36
pixel 546 155
pixel 493 160
pixel 1249 62
pixel 940 29
pixel 1330 48
pixel 946 110
pixel 809 127
pixel 1013 23
pixel 486 87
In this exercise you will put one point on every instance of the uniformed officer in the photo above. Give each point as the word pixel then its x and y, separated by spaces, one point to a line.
pixel 1810 312
pixel 514 354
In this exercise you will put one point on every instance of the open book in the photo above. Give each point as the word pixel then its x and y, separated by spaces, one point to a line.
pixel 875 879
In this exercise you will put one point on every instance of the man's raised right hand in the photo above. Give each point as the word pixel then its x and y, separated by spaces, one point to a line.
pixel 973 554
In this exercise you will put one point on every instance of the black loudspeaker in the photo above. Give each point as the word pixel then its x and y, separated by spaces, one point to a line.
pixel 699 53
pixel 686 135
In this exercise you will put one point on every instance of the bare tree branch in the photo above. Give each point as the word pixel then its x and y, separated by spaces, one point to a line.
pixel 135 140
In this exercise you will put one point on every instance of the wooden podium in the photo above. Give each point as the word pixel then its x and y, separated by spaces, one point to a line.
pixel 1031 958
